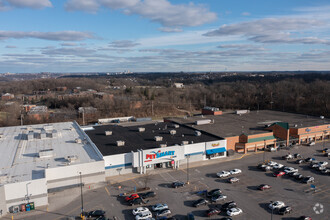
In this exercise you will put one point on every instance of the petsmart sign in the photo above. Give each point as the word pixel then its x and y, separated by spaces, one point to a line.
pixel 163 154
pixel 158 154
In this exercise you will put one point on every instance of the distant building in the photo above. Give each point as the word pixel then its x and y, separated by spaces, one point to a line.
pixel 38 113
pixel 27 108
pixel 178 85
pixel 211 111
pixel 7 96
pixel 87 113
pixel 102 95
pixel 61 89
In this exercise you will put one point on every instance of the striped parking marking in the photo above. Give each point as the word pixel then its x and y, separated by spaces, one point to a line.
pixel 106 189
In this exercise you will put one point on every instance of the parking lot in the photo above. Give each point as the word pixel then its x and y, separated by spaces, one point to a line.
pixel 252 201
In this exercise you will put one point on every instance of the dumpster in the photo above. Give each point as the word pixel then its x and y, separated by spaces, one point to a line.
pixel 27 207
pixel 31 205
pixel 14 209
pixel 22 207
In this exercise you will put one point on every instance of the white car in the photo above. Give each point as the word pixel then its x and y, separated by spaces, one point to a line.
pixel 140 210
pixel 271 163
pixel 223 174
pixel 276 205
pixel 234 211
pixel 235 171
pixel 290 170
pixel 159 206
pixel 324 163
pixel 278 166
pixel 143 215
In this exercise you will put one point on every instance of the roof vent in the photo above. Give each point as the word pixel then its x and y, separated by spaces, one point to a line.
pixel 107 133
pixel 198 133
pixel 30 135
pixel 141 129
pixel 163 145
pixel 78 140
pixel 2 136
pixel 203 122
pixel 158 138
pixel 185 142
pixel 120 143
pixel 72 158
pixel 172 132
pixel 176 125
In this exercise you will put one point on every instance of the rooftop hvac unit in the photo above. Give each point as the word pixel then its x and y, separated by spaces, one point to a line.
pixel 43 134
pixel 172 132
pixel 29 128
pixel 141 129
pixel 72 158
pixel 107 133
pixel 30 135
pixel 163 145
pixel 48 127
pixel 120 143
pixel 78 140
pixel 46 153
pixel 203 122
pixel 158 138
pixel 2 136
pixel 176 126
pixel 185 142
pixel 198 133
pixel 54 134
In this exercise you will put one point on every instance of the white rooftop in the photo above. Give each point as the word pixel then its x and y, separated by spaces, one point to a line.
pixel 65 144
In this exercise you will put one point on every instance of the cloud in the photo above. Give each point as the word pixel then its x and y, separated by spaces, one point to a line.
pixel 68 44
pixel 34 4
pixel 123 44
pixel 170 29
pixel 10 47
pixel 75 51
pixel 246 13
pixel 160 11
pixel 272 30
pixel 53 36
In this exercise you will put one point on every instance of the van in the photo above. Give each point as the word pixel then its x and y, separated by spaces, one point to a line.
pixel 311 143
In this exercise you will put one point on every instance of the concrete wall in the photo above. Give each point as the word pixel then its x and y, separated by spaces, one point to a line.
pixel 118 163
pixel 3 206
pixel 194 148
pixel 15 193
pixel 69 175
pixel 231 142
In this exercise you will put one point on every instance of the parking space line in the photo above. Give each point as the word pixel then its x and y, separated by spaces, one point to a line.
pixel 106 189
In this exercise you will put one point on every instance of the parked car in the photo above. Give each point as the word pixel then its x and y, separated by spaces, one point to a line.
pixel 190 216
pixel 309 159
pixel 326 154
pixel 96 214
pixel 294 174
pixel 311 143
pixel 320 168
pixel 164 212
pixel 278 166
pixel 297 156
pixel 271 163
pixel 235 171
pixel 299 161
pixel 276 205
pixel 212 211
pixel 233 180
pixel 177 184
pixel 143 215
pixel 137 201
pixel 159 206
pixel 326 171
pixel 278 173
pixel 200 202
pixel 304 218
pixel 285 210
pixel 290 170
pixel 213 192
pixel 140 210
pixel 223 174
pixel 264 187
pixel 261 165
pixel 326 150
pixel 226 218
pixel 267 168
pixel 299 177
pixel 323 163
pixel 228 205
pixel 147 195
pixel 234 211
pixel 287 157
pixel 218 197
pixel 131 197
pixel 308 179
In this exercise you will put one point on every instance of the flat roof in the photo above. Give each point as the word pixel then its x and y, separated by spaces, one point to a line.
pixel 254 122
pixel 20 159
pixel 135 140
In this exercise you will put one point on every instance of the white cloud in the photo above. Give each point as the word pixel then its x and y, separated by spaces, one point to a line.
pixel 68 44
pixel 246 13
pixel 170 29
pixel 161 11
pixel 123 44
pixel 53 36
pixel 34 4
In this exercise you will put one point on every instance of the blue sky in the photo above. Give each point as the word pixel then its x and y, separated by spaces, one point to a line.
pixel 163 35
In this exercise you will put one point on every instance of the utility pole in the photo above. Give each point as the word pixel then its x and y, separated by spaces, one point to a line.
pixel 83 113
pixel 152 108
pixel 21 119
pixel 204 100
pixel 81 195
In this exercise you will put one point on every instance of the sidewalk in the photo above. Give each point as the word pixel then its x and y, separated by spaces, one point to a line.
pixel 122 178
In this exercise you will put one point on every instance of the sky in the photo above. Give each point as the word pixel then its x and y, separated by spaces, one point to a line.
pixel 163 35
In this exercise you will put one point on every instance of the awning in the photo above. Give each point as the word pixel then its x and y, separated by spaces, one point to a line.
pixel 216 150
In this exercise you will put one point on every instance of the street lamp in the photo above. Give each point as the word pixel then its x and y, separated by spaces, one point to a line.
pixel 27 192
pixel 271 217
pixel 81 195
pixel 188 156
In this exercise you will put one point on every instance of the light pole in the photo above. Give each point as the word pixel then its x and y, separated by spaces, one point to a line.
pixel 188 156
pixel 264 149
pixel 27 192
pixel 81 195
pixel 324 133
pixel 271 216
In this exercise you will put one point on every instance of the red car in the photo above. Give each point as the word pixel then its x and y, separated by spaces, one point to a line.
pixel 262 187
pixel 213 211
pixel 278 173
pixel 131 197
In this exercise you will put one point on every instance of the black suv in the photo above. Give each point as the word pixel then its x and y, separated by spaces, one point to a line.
pixel 200 202
pixel 147 195
pixel 213 192
pixel 284 210
pixel 228 205
pixel 178 184
pixel 96 214
pixel 137 201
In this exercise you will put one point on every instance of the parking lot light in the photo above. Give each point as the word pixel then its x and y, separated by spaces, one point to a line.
pixel 188 156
